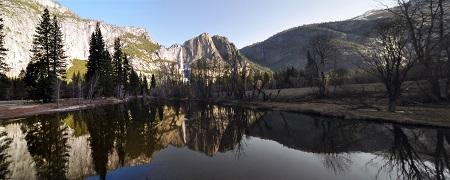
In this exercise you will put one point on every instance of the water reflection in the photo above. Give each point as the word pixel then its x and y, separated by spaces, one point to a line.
pixel 46 138
pixel 98 142
pixel 416 154
pixel 4 156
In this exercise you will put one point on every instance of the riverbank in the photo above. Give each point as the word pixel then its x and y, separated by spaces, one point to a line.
pixel 21 109
pixel 349 109
pixel 438 116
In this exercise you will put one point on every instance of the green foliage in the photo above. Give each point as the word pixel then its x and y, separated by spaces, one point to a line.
pixel 153 82
pixel 138 46
pixel 118 69
pixel 38 70
pixel 79 127
pixel 99 67
pixel 28 4
pixel 57 57
pixel 34 6
pixel 135 83
pixel 78 66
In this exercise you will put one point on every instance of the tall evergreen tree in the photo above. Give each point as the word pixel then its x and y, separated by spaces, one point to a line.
pixel 118 67
pixel 38 70
pixel 153 82
pixel 57 58
pixel 99 66
pixel 145 85
pixel 106 77
pixel 134 86
pixel 3 66
pixel 126 74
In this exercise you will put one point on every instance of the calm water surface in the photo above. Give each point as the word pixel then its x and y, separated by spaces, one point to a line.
pixel 140 140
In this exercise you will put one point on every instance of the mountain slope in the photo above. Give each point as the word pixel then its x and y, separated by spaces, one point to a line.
pixel 203 46
pixel 22 16
pixel 287 48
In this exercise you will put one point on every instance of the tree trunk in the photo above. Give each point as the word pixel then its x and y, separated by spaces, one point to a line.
pixel 322 85
pixel 447 88
pixel 435 86
pixel 58 84
pixel 392 105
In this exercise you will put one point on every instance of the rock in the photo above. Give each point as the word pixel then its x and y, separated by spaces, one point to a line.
pixel 22 16
pixel 203 46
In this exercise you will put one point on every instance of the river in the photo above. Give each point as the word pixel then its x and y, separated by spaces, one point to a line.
pixel 143 140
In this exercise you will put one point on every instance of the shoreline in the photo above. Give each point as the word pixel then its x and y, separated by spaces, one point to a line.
pixel 436 116
pixel 421 116
pixel 17 111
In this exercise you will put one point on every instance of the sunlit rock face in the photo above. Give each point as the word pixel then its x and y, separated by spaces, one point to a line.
pixel 21 163
pixel 203 46
pixel 80 159
pixel 22 16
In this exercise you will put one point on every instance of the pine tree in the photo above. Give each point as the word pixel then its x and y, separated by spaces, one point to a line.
pixel 3 66
pixel 38 70
pixel 100 70
pixel 145 85
pixel 126 74
pixel 96 49
pixel 106 77
pixel 153 82
pixel 58 58
pixel 134 83
pixel 118 67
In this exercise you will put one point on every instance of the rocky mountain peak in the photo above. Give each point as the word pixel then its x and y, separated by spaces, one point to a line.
pixel 22 16
pixel 203 46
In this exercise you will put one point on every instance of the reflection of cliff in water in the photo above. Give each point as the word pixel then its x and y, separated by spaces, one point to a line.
pixel 218 129
pixel 95 141
pixel 99 140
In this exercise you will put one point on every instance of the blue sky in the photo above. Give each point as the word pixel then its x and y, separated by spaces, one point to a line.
pixel 244 22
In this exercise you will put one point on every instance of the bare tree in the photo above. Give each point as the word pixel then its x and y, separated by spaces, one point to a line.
pixel 390 58
pixel 92 86
pixel 425 24
pixel 321 50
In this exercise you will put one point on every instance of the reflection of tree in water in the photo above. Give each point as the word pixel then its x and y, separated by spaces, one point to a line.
pixel 337 139
pixel 46 138
pixel 131 131
pixel 4 157
pixel 99 124
pixel 441 160
pixel 414 155
pixel 120 129
pixel 214 128
pixel 161 124
pixel 240 121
